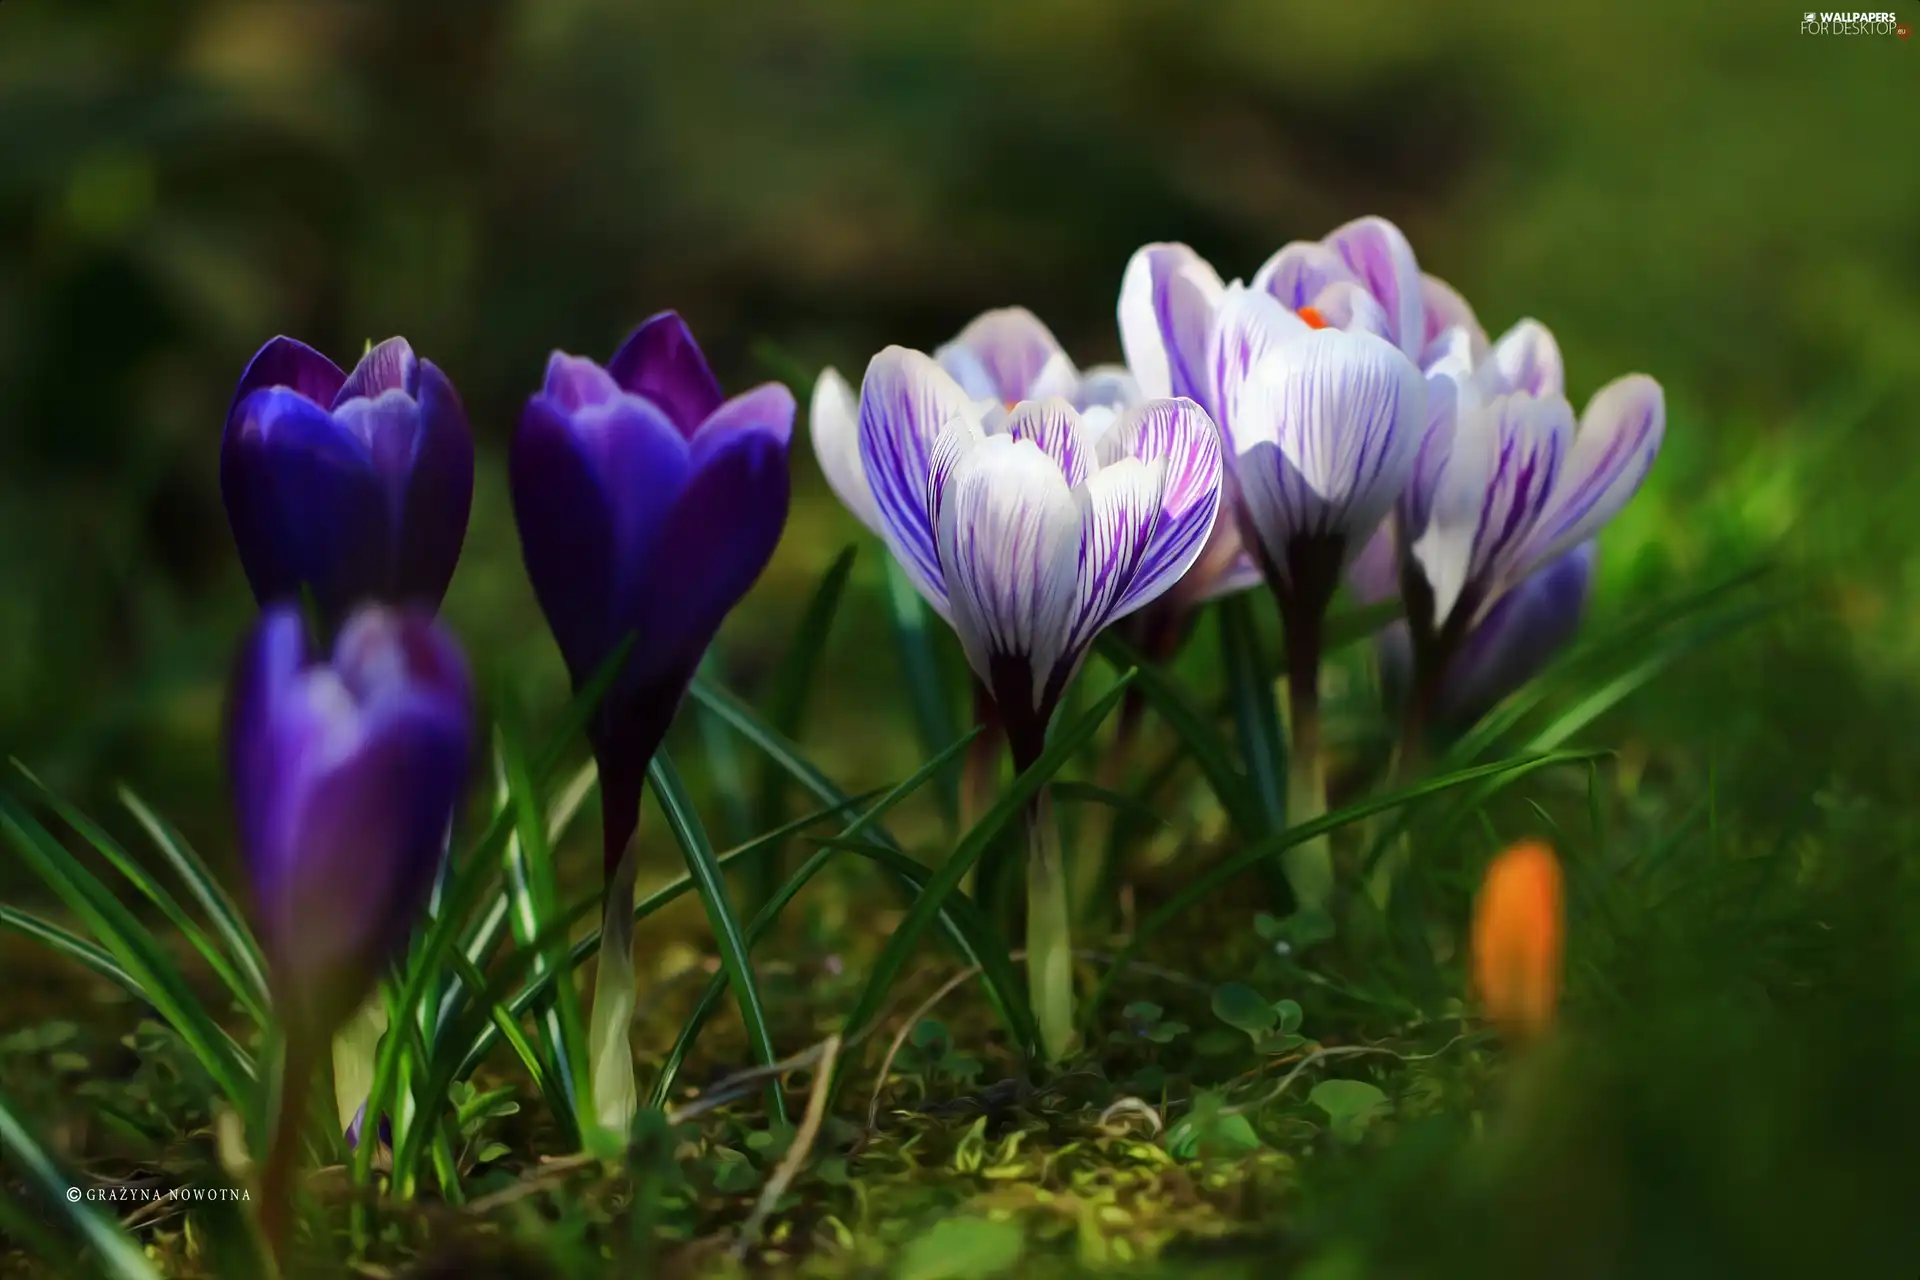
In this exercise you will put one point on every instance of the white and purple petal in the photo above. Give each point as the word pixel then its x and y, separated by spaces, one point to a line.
pixel 1619 437
pixel 1167 299
pixel 1053 426
pixel 1248 326
pixel 1378 254
pixel 833 422
pixel 1301 272
pixel 1178 440
pixel 1526 358
pixel 1518 637
pixel 906 401
pixel 1008 355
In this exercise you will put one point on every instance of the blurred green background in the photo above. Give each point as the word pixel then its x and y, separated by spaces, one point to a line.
pixel 1694 190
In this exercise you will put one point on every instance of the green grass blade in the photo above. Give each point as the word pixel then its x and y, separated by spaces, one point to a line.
pixel 534 884
pixel 725 772
pixel 1193 727
pixel 1226 871
pixel 74 948
pixel 927 691
pixel 946 880
pixel 483 1040
pixel 1256 713
pixel 770 912
pixel 119 1254
pixel 975 947
pixel 711 883
pixel 250 1000
pixel 229 921
pixel 502 1020
pixel 134 948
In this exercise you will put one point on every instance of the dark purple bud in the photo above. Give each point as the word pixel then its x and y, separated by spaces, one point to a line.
pixel 345 774
pixel 1521 633
pixel 355 486
pixel 359 1123
pixel 647 506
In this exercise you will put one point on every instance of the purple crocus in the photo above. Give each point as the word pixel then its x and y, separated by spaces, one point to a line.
pixel 344 770
pixel 355 486
pixel 648 504
pixel 1511 645
pixel 1030 538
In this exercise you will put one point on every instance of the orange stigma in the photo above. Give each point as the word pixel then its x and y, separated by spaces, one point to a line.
pixel 1313 318
pixel 1519 940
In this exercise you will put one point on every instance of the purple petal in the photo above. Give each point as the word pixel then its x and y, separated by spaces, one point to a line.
pixel 1446 309
pixel 1379 255
pixel 1119 507
pixel 1326 431
pixel 391 366
pixel 1247 328
pixel 1518 637
pixel 1374 575
pixel 1179 445
pixel 906 401
pixel 661 362
pixel 833 421
pixel 307 507
pixel 1619 437
pixel 1300 272
pixel 1010 546
pixel 1429 464
pixel 439 495
pixel 1527 359
pixel 1349 306
pixel 1008 356
pixel 575 382
pixel 1106 386
pixel 287 362
pixel 1167 299
pixel 591 495
pixel 1528 440
pixel 1056 429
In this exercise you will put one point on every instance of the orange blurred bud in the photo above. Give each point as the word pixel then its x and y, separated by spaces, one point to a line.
pixel 1519 939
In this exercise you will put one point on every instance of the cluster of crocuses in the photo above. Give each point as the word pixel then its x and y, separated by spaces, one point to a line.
pixel 1343 416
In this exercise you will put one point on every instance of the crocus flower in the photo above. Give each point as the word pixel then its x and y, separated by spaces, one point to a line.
pixel 344 771
pixel 355 486
pixel 1516 640
pixel 1030 538
pixel 1519 939
pixel 647 504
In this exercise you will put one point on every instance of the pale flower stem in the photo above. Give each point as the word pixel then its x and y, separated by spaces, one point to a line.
pixel 297 1066
pixel 1049 931
pixel 609 1051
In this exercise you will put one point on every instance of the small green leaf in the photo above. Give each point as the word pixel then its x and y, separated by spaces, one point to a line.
pixel 1239 1005
pixel 1351 1105
pixel 733 1173
pixel 491 1152
pixel 1168 1032
pixel 962 1249
pixel 1142 1011
pixel 1289 1014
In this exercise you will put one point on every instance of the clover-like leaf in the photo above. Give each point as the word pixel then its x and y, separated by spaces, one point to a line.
pixel 1239 1005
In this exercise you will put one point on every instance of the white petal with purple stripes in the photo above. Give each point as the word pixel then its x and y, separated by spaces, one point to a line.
pixel 1167 299
pixel 834 423
pixel 1248 327
pixel 1009 355
pixel 1619 437
pixel 1177 439
pixel 1376 252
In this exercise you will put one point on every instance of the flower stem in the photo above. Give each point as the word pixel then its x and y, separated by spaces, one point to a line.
pixel 1309 866
pixel 298 1062
pixel 615 1096
pixel 1049 931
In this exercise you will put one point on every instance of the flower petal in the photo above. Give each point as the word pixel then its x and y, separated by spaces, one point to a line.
pixel 1247 327
pixel 439 495
pixel 288 362
pixel 1008 355
pixel 1167 299
pixel 661 362
pixel 1106 386
pixel 1010 546
pixel 833 421
pixel 1177 439
pixel 906 401
pixel 1446 309
pixel 1334 421
pixel 1300 272
pixel 1429 464
pixel 1619 437
pixel 1519 636
pixel 390 366
pixel 1526 358
pixel 1119 508
pixel 1379 255
pixel 1056 428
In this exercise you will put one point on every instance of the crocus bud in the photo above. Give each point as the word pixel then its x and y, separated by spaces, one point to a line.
pixel 1519 940
pixel 355 486
pixel 344 771
pixel 648 504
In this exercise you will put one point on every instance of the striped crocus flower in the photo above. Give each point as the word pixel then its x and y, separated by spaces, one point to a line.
pixel 1031 534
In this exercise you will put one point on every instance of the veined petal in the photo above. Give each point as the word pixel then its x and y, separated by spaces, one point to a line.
pixel 1446 309
pixel 1010 546
pixel 906 401
pixel 1009 355
pixel 288 362
pixel 1337 420
pixel 1619 437
pixel 1119 508
pixel 661 362
pixel 1347 305
pixel 1247 327
pixel 1300 272
pixel 1429 464
pixel 1519 636
pixel 1238 570
pixel 1106 386
pixel 1180 442
pixel 1379 255
pixel 833 421
pixel 1167 299
pixel 439 496
pixel 1526 358
pixel 1056 428
pixel 390 366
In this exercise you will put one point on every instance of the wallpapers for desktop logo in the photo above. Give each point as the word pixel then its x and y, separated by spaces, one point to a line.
pixel 1853 24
